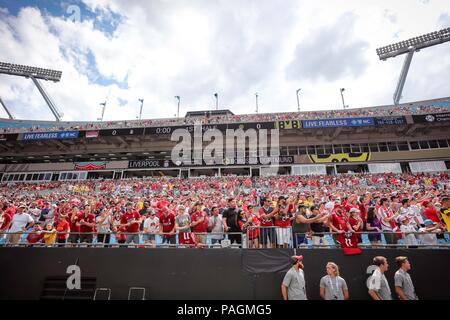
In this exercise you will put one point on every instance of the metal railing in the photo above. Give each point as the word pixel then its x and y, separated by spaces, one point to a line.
pixel 251 238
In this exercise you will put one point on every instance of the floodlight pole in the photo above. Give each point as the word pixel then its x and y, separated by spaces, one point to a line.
pixel 298 100
pixel 342 96
pixel 403 75
pixel 140 111
pixel 408 47
pixel 103 110
pixel 6 109
pixel 256 96
pixel 217 100
pixel 50 104
pixel 178 107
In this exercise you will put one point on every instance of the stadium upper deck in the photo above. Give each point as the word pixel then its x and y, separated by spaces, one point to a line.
pixel 411 108
pixel 413 137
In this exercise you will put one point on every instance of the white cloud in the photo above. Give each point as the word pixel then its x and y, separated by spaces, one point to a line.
pixel 236 48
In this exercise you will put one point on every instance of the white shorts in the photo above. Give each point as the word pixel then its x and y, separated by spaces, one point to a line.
pixel 283 235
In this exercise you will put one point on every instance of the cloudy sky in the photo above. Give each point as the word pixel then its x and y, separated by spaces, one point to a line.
pixel 123 50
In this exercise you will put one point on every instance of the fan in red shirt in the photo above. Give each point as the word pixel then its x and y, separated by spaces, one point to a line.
pixel 338 223
pixel 266 213
pixel 251 227
pixel 430 212
pixel 167 226
pixel 5 221
pixel 35 236
pixel 131 220
pixel 62 228
pixel 87 225
pixel 199 224
pixel 74 225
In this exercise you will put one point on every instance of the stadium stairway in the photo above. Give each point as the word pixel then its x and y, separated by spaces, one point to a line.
pixel 55 288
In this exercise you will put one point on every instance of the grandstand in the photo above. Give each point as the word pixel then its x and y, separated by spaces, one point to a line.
pixel 413 137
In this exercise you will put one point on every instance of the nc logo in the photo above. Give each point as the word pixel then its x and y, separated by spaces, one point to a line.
pixel 74 280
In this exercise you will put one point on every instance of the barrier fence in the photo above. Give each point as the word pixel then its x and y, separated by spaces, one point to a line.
pixel 251 238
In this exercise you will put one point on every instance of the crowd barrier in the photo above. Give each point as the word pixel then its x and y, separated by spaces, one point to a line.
pixel 252 238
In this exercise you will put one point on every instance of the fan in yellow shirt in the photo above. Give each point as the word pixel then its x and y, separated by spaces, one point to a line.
pixel 445 212
pixel 49 234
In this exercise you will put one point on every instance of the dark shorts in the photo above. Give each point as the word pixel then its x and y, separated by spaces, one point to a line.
pixel 169 239
pixel 265 233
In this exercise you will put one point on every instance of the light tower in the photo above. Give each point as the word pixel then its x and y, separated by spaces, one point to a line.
pixel 408 47
pixel 35 74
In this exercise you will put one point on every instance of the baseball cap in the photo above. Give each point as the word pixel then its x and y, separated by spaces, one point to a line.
pixel 428 222
pixel 354 210
pixel 297 258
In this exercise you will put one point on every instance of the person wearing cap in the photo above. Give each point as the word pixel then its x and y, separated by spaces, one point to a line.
pixel 293 285
pixel 408 231
pixel 320 226
pixel 20 222
pixel 151 228
pixel 404 286
pixel 332 286
pixel 301 225
pixel 377 283
pixel 428 233
pixel 282 221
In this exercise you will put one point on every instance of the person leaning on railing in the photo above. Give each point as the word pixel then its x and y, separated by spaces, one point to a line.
pixel 86 222
pixel 63 229
pixel 151 228
pixel 20 222
pixel 49 234
pixel 104 222
pixel 320 226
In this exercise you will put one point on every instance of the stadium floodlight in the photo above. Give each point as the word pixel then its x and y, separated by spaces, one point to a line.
pixel 256 97
pixel 35 73
pixel 342 96
pixel 140 111
pixel 217 100
pixel 27 71
pixel 408 47
pixel 178 108
pixel 6 109
pixel 298 100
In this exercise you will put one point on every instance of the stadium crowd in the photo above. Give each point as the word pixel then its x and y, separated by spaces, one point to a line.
pixel 399 110
pixel 264 211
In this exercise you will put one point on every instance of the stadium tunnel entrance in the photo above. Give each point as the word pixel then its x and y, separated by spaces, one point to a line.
pixel 149 173
pixel 352 168
pixel 100 175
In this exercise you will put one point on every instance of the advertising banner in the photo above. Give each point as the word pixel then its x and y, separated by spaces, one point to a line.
pixel 50 135
pixel 339 122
